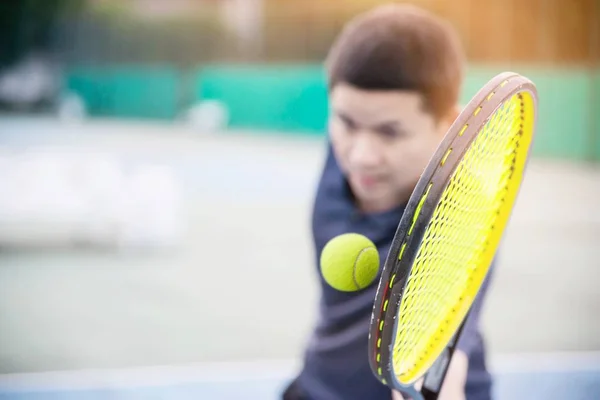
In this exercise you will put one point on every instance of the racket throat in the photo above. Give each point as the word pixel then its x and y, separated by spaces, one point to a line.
pixel 434 379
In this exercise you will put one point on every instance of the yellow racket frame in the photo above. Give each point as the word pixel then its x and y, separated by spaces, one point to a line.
pixel 450 232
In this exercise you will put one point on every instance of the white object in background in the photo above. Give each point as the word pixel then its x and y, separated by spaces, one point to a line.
pixel 33 79
pixel 40 205
pixel 152 215
pixel 100 180
pixel 71 108
pixel 62 198
pixel 207 116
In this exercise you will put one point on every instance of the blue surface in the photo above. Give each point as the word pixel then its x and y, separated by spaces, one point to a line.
pixel 221 391
pixel 571 385
pixel 567 385
pixel 263 390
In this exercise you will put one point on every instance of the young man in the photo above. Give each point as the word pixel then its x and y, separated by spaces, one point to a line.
pixel 394 79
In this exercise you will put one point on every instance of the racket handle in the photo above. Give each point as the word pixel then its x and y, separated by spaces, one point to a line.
pixel 434 379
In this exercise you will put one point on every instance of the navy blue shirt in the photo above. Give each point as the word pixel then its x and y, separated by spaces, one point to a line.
pixel 336 363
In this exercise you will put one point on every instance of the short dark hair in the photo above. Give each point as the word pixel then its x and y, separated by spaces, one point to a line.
pixel 400 47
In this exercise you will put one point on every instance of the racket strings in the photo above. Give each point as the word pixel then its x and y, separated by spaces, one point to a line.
pixel 468 215
pixel 439 289
pixel 471 214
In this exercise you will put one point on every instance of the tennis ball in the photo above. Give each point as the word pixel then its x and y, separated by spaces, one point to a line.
pixel 349 262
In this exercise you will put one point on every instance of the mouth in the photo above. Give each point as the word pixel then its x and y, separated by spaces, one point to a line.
pixel 367 181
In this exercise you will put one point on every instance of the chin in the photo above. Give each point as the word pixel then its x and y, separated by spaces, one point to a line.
pixel 364 193
pixel 369 196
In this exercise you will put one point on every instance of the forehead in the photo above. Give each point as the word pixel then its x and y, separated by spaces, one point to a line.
pixel 368 106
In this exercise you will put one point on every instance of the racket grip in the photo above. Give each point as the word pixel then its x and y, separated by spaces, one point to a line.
pixel 434 379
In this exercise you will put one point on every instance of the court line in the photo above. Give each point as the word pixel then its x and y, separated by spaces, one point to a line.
pixel 545 362
pixel 214 372
pixel 226 372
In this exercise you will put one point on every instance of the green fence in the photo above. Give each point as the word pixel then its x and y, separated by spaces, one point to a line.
pixel 127 92
pixel 595 110
pixel 293 99
pixel 566 109
pixel 285 98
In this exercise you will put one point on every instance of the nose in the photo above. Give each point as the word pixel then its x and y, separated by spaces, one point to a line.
pixel 366 151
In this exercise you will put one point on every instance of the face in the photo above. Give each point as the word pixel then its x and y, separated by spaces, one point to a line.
pixel 383 141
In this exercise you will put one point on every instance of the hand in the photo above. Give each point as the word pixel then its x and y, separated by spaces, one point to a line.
pixel 456 378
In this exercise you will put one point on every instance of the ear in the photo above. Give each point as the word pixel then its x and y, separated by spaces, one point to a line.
pixel 449 119
pixel 453 114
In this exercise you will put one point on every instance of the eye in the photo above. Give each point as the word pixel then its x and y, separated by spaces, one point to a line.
pixel 348 123
pixel 390 131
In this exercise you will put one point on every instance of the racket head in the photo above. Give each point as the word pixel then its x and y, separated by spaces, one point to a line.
pixel 450 232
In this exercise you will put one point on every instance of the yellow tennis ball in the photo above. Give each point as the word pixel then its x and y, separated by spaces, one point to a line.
pixel 349 262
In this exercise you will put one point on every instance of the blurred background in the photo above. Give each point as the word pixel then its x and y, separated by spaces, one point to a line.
pixel 158 160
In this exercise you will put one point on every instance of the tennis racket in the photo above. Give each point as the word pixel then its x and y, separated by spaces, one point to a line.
pixel 448 237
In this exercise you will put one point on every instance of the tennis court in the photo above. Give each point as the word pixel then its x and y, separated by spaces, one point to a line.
pixel 142 257
pixel 167 324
